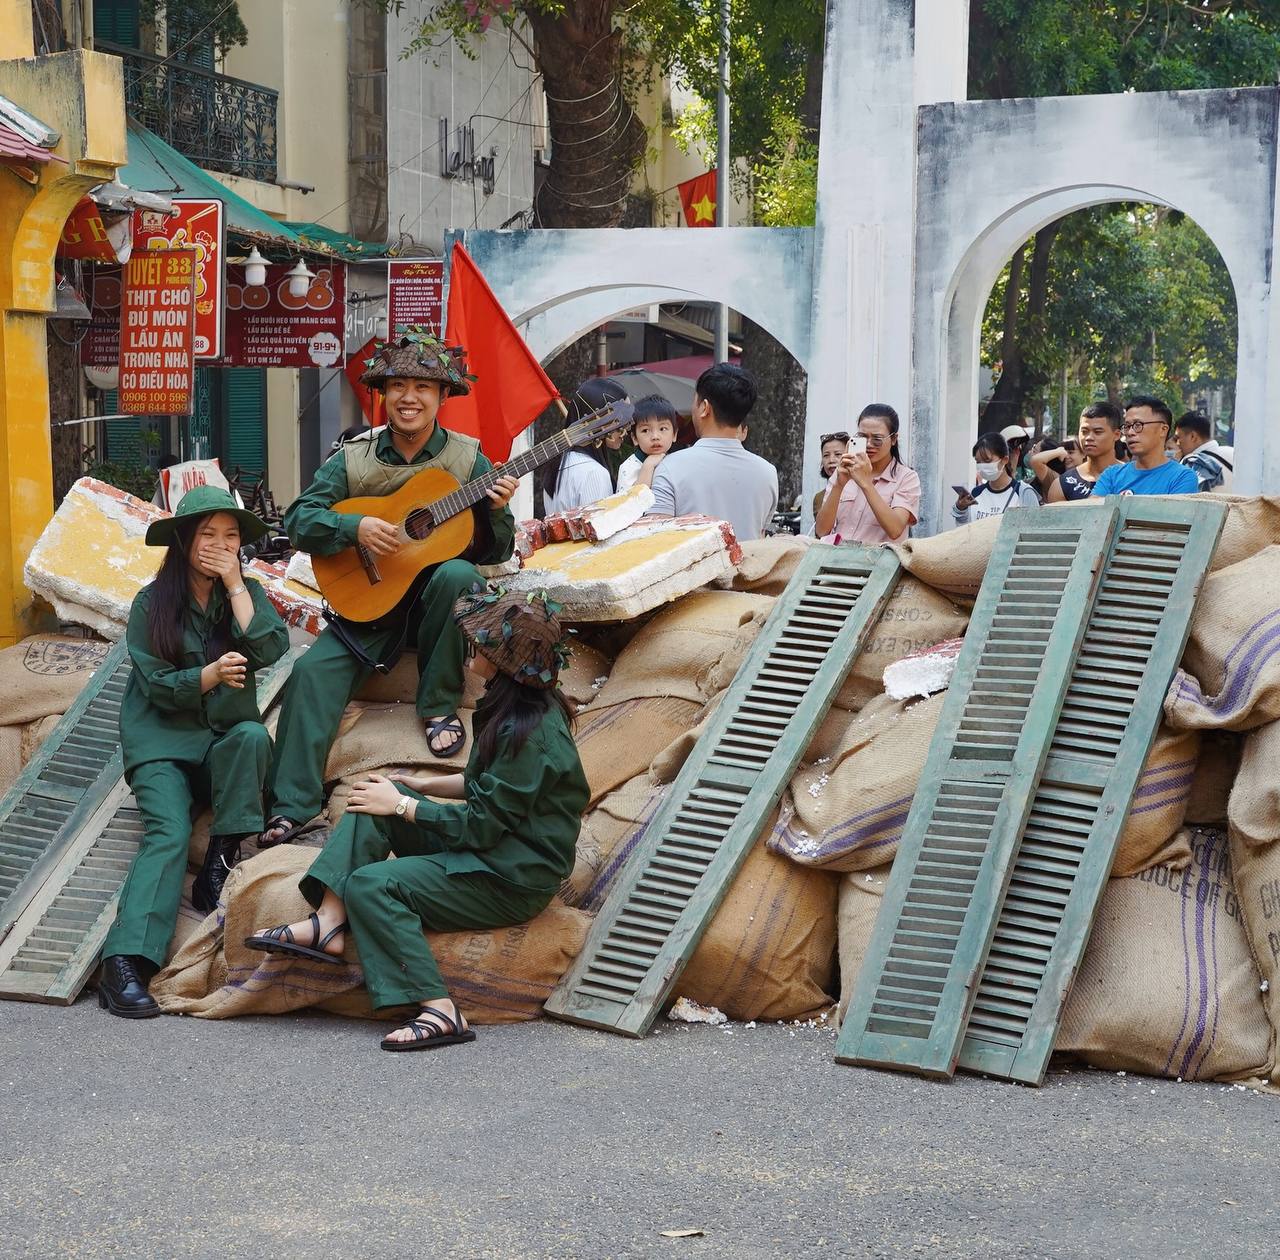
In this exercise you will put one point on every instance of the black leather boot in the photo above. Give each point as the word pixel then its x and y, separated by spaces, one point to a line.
pixel 221 855
pixel 122 987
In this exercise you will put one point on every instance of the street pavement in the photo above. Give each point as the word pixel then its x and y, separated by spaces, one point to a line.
pixel 295 1136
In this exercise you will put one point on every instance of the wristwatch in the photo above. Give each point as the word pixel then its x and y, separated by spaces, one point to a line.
pixel 402 805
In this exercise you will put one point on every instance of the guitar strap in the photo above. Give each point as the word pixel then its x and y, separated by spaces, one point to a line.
pixel 349 636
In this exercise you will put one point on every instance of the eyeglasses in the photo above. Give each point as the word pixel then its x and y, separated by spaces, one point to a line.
pixel 874 439
pixel 833 437
pixel 1136 426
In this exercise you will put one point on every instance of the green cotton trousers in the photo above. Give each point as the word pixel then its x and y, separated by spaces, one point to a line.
pixel 327 676
pixel 231 776
pixel 389 904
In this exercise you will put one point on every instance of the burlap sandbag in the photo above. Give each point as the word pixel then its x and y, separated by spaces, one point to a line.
pixel 497 977
pixel 587 672
pixel 1153 834
pixel 1254 805
pixel 769 952
pixel 861 896
pixel 35 733
pixel 846 812
pixel 10 756
pixel 1230 676
pixel 401 684
pixel 954 561
pixel 768 564
pixel 1216 770
pixel 1168 985
pixel 675 653
pixel 1256 869
pixel 916 617
pixel 44 674
pixel 616 742
pixel 373 735
pixel 1252 523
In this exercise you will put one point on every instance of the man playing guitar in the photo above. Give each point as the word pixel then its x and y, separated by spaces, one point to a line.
pixel 415 373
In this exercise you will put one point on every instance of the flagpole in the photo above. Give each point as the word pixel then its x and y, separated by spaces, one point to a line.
pixel 722 168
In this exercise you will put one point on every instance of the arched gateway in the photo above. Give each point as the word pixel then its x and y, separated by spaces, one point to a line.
pixel 922 198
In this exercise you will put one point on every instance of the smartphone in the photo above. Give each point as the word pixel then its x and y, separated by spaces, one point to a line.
pixel 857 445
pixel 1069 444
pixel 962 490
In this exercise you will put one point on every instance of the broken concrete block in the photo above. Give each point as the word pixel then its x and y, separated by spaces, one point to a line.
pixel 92 559
pixel 297 602
pixel 640 568
pixel 598 522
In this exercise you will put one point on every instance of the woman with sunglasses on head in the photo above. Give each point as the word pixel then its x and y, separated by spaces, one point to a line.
pixel 832 446
pixel 872 497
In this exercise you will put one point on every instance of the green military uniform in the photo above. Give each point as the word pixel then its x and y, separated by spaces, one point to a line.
pixel 494 859
pixel 182 746
pixel 328 675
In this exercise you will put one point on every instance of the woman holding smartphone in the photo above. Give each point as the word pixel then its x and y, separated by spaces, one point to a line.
pixel 872 497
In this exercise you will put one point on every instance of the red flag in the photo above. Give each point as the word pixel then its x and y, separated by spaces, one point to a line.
pixel 370 400
pixel 698 198
pixel 510 388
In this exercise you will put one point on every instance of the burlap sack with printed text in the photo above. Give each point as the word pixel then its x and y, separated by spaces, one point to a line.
pixel 1256 869
pixel 45 673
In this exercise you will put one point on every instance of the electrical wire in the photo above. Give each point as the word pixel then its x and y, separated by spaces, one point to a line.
pixel 191 39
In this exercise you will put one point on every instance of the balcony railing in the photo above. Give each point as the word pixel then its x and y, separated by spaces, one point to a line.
pixel 220 123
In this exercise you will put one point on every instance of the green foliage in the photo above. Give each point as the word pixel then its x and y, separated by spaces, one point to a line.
pixel 786 180
pixel 215 19
pixel 135 479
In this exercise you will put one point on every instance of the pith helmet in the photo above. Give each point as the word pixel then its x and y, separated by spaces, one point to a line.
pixel 518 631
pixel 419 355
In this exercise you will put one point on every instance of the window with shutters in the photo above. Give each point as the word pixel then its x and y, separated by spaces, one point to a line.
pixel 116 22
pixel 243 407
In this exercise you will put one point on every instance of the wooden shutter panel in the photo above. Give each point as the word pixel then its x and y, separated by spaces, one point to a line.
pixel 667 893
pixel 1132 644
pixel 245 411
pixel 911 1000
pixel 63 784
pixel 54 941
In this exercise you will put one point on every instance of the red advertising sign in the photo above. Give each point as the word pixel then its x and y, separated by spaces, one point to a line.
pixel 199 225
pixel 100 346
pixel 157 329
pixel 268 327
pixel 84 235
pixel 414 294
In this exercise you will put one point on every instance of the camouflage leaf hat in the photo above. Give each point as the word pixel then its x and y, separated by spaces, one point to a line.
pixel 418 354
pixel 519 632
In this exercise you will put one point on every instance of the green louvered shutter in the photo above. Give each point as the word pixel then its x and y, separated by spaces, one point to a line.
pixel 51 936
pixel 116 22
pixel 1132 645
pixel 912 996
pixel 245 418
pixel 711 815
pixel 123 437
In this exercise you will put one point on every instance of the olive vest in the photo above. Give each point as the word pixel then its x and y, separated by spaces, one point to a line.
pixel 368 475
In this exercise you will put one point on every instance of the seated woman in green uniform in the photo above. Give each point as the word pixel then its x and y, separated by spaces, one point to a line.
pixel 493 859
pixel 190 729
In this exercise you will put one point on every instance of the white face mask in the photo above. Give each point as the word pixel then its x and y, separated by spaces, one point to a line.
pixel 989 472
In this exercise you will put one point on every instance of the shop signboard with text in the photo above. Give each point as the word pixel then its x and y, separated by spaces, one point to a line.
pixel 268 327
pixel 157 332
pixel 100 345
pixel 199 225
pixel 415 294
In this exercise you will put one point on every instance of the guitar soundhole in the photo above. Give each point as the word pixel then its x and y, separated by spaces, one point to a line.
pixel 419 524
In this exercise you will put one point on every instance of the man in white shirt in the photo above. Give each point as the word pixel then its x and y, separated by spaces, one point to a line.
pixel 718 476
pixel 1212 463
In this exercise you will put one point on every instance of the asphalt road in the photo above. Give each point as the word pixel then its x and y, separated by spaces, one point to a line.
pixel 296 1137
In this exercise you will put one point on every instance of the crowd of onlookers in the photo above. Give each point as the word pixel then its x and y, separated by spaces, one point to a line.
pixel 872 496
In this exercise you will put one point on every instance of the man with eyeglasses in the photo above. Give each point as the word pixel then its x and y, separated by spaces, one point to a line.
pixel 1147 422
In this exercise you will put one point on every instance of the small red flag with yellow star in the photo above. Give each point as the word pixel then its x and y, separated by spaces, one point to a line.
pixel 698 198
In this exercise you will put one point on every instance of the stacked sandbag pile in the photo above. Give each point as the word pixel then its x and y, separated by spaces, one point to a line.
pixel 39 678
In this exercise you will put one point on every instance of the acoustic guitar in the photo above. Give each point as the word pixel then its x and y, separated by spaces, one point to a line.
pixel 433 514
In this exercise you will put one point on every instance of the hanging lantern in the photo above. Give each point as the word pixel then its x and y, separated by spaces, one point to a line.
pixel 300 278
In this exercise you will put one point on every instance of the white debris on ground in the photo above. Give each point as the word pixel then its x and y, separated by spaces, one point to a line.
pixel 687 1011
pixel 923 673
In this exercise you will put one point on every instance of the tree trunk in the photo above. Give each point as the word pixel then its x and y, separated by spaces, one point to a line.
pixel 776 424
pixel 64 404
pixel 596 139
pixel 1006 397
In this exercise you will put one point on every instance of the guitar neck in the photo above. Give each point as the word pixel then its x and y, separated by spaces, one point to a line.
pixel 477 490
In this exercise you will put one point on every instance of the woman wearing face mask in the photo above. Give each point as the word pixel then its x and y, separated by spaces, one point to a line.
pixel 997 491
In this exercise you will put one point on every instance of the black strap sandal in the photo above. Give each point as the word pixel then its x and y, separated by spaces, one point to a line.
pixel 451 724
pixel 279 940
pixel 432 1029
pixel 286 827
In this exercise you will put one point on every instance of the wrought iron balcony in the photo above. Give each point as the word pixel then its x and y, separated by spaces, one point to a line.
pixel 220 123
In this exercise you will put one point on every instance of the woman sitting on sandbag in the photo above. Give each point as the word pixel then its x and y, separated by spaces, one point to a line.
pixel 493 860
pixel 190 729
